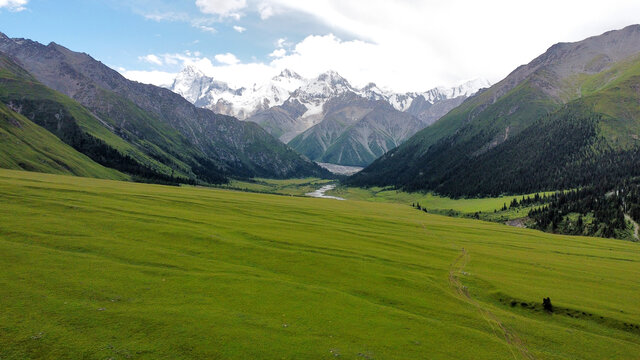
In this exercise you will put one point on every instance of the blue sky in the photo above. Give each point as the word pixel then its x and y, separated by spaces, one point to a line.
pixel 118 32
pixel 404 45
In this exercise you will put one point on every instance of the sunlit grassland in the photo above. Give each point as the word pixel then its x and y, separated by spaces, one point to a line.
pixel 429 201
pixel 102 269
pixel 295 187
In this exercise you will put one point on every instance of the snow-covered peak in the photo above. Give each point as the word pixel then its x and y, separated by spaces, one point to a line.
pixel 333 79
pixel 191 71
pixel 322 88
pixel 472 86
pixel 192 83
pixel 402 101
pixel 287 81
pixel 466 89
pixel 372 92
pixel 288 74
pixel 370 86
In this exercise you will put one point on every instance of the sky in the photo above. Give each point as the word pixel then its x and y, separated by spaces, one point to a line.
pixel 401 45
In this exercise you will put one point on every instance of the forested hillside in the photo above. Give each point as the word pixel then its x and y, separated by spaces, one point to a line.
pixel 567 119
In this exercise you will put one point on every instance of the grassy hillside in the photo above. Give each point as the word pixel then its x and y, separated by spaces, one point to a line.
pixel 83 131
pixel 25 145
pixel 101 269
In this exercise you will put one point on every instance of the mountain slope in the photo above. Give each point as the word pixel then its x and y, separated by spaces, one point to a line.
pixel 337 123
pixel 355 131
pixel 304 107
pixel 158 122
pixel 289 105
pixel 308 101
pixel 26 146
pixel 76 126
pixel 481 146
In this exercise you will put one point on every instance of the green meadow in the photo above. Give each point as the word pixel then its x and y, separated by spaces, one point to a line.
pixel 293 187
pixel 103 269
pixel 439 204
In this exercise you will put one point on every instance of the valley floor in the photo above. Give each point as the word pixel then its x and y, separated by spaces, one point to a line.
pixel 101 269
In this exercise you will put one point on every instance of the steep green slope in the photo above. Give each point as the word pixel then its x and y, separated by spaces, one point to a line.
pixel 88 133
pixel 498 141
pixel 100 269
pixel 25 145
pixel 565 149
pixel 594 140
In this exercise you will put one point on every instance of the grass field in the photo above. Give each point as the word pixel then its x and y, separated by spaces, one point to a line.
pixel 437 203
pixel 100 269
pixel 294 187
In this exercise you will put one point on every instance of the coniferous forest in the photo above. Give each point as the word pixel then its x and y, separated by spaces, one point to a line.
pixel 592 211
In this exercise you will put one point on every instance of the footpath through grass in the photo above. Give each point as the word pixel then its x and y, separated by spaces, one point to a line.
pixel 100 269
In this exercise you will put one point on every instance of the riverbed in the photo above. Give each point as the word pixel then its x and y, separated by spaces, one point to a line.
pixel 320 193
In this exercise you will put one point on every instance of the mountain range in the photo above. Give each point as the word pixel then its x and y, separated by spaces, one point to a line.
pixel 571 117
pixel 326 118
pixel 142 130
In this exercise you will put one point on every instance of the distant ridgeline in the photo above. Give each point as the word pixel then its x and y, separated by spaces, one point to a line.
pixel 568 119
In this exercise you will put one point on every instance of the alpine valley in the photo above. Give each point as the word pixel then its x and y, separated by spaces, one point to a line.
pixel 326 118
pixel 200 220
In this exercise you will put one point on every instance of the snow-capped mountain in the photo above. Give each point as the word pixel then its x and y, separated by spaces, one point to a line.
pixel 242 103
pixel 288 105
pixel 402 102
pixel 192 83
pixel 218 96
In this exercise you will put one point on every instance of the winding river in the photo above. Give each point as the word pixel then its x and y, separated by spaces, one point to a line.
pixel 320 193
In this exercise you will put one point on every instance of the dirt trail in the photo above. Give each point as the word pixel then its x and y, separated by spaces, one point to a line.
pixel 515 343
pixel 635 226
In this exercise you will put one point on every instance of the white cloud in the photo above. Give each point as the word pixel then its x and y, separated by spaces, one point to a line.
pixel 359 61
pixel 158 78
pixel 265 9
pixel 151 59
pixel 414 45
pixel 278 53
pixel 208 29
pixel 223 8
pixel 169 60
pixel 14 5
pixel 230 70
pixel 239 29
pixel 227 59
pixel 420 44
pixel 201 23
pixel 166 16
